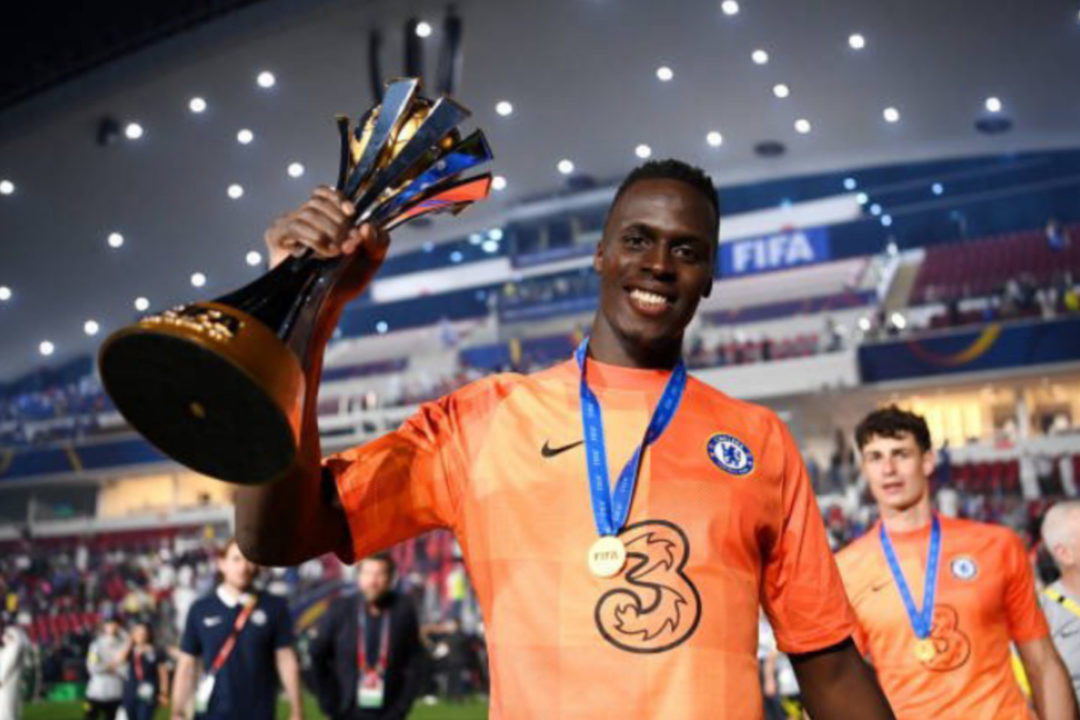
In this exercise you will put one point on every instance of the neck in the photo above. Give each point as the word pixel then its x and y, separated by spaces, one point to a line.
pixel 232 590
pixel 913 517
pixel 1070 578
pixel 606 345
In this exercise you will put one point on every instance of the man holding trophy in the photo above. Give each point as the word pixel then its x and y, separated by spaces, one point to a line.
pixel 634 595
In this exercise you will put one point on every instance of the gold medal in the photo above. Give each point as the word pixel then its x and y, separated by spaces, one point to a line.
pixel 925 650
pixel 607 556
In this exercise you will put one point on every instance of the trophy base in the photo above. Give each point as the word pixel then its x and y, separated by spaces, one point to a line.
pixel 210 387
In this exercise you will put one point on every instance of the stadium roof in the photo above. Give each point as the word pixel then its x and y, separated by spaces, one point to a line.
pixel 584 81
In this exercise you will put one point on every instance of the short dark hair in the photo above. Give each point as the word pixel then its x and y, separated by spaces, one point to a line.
pixel 672 169
pixel 385 558
pixel 892 422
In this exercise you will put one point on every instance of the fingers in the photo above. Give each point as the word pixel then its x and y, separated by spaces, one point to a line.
pixel 322 223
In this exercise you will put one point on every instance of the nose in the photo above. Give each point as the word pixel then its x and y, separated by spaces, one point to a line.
pixel 658 261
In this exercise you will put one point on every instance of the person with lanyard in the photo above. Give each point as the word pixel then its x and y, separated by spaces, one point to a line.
pixel 638 600
pixel 366 658
pixel 245 642
pixel 1061 600
pixel 147 682
pixel 939 599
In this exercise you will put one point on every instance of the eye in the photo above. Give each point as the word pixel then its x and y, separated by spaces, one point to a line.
pixel 634 239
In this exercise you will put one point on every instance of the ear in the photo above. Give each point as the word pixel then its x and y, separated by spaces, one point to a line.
pixel 707 290
pixel 929 459
pixel 598 256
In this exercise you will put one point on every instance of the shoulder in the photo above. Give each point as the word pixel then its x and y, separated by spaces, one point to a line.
pixel 205 604
pixel 755 420
pixel 857 553
pixel 273 603
pixel 994 537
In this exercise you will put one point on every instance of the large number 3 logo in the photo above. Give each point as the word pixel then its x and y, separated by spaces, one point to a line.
pixel 951 647
pixel 656 607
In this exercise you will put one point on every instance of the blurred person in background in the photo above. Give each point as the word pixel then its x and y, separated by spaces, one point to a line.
pixel 14 651
pixel 244 639
pixel 940 599
pixel 367 662
pixel 146 684
pixel 1061 600
pixel 105 663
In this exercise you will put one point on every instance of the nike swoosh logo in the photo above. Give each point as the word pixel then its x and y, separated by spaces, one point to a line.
pixel 550 452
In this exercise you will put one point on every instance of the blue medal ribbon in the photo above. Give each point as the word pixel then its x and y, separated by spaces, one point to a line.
pixel 610 509
pixel 921 620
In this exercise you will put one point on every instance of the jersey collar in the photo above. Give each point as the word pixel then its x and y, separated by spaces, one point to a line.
pixel 229 600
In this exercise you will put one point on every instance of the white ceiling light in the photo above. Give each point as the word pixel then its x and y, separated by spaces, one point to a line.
pixel 504 107
pixel 90 327
pixel 235 191
pixel 760 57
pixel 490 246
pixel 198 279
pixel 498 183
pixel 850 184
pixel 862 198
pixel 5 293
pixel 381 327
pixel 456 256
pixel 295 169
pixel 253 258
pixel 6 187
pixel 781 90
pixel 196 105
pixel 730 7
pixel 886 220
pixel 664 73
pixel 115 240
pixel 714 138
pixel 864 323
pixel 937 188
pixel 423 29
pixel 476 238
pixel 245 136
pixel 993 104
pixel 875 209
pixel 899 320
pixel 46 348
pixel 565 166
pixel 133 131
pixel 142 304
pixel 495 234
pixel 265 79
pixel 643 151
pixel 856 41
pixel 891 115
pixel 802 126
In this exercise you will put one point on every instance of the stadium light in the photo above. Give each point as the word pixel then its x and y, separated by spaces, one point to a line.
pixel 856 41
pixel 253 258
pixel 196 105
pixel 937 188
pixel 781 90
pixel 498 183
pixel 46 348
pixel 760 57
pixel 6 187
pixel 802 126
pixel 891 115
pixel 245 136
pixel 90 327
pixel 714 138
pixel 295 169
pixel 664 73
pixel 5 293
pixel 565 166
pixel 730 7
pixel 504 108
pixel 235 191
pixel 423 29
pixel 643 151
pixel 198 279
pixel 265 79
pixel 142 304
pixel 133 131
pixel 850 184
pixel 993 104
pixel 115 240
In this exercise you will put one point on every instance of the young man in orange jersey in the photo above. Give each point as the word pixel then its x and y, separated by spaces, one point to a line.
pixel 939 599
pixel 634 602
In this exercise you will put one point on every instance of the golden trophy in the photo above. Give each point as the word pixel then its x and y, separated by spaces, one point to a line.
pixel 219 386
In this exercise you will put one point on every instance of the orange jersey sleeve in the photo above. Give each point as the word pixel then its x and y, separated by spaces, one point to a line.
pixel 409 481
pixel 1025 616
pixel 802 592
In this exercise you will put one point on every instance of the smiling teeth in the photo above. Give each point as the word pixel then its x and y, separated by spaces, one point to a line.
pixel 648 298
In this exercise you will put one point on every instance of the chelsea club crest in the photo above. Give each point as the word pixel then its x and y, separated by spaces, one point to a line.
pixel 730 454
pixel 963 567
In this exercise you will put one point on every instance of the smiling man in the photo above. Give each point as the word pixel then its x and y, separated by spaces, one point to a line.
pixel 632 593
pixel 940 599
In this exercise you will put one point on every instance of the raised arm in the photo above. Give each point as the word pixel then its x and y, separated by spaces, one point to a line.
pixel 836 683
pixel 297 517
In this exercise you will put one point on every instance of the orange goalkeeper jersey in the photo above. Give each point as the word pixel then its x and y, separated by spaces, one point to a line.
pixel 985 598
pixel 723 519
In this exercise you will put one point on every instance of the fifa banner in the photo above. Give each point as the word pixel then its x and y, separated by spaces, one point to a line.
pixel 990 347
pixel 778 251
